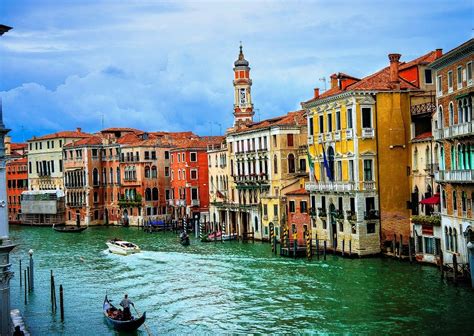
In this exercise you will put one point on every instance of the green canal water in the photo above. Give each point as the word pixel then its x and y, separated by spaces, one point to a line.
pixel 230 288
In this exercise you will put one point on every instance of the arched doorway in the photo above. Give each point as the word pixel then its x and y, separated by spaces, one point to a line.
pixel 78 218
pixel 332 220
pixel 106 216
pixel 125 217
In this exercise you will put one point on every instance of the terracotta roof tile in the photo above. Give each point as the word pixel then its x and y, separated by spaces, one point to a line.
pixel 301 191
pixel 292 118
pixel 120 129
pixel 16 146
pixel 18 161
pixel 379 81
pixel 92 140
pixel 62 134
pixel 425 135
pixel 425 59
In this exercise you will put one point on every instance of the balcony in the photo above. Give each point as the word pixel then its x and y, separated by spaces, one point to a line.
pixel 455 176
pixel 320 138
pixel 337 136
pixel 194 203
pixel 424 108
pixel 431 168
pixel 455 131
pixel 368 185
pixel 368 133
pixel 310 140
pixel 349 134
pixel 438 134
pixel 330 186
pixel 328 136
pixel 426 220
pixel 371 215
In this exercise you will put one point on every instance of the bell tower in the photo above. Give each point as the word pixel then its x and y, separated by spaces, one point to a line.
pixel 243 107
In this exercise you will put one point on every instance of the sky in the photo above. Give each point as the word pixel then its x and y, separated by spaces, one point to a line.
pixel 168 66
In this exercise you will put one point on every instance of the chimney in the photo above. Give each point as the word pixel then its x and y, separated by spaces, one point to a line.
pixel 79 129
pixel 316 92
pixel 439 53
pixel 333 81
pixel 394 63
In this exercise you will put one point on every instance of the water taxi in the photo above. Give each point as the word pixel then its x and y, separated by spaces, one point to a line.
pixel 122 247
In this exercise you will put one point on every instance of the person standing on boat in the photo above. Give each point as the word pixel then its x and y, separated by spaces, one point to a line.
pixel 125 303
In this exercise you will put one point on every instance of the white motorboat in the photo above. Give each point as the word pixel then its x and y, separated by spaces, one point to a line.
pixel 231 236
pixel 122 247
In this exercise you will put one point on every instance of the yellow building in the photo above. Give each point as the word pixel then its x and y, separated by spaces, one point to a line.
pixel 360 140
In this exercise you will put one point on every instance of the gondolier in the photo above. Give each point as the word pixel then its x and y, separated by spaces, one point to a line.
pixel 125 303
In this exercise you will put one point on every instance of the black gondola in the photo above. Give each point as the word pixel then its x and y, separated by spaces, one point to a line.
pixel 69 228
pixel 129 325
pixel 184 239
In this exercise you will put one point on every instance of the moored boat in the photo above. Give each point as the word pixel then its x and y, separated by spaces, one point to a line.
pixel 69 228
pixel 122 247
pixel 114 315
pixel 215 235
pixel 231 236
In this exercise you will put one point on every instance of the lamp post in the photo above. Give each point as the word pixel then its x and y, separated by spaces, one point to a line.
pixel 5 244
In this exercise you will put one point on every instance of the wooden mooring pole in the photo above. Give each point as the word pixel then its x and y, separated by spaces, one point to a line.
pixel 324 251
pixel 61 302
pixel 343 247
pixel 317 246
pixel 410 257
pixel 27 280
pixel 24 271
pixel 20 275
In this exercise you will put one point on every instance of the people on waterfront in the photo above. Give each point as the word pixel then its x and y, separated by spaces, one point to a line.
pixel 126 303
pixel 18 331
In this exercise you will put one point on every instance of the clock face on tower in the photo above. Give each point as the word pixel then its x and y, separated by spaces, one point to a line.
pixel 242 97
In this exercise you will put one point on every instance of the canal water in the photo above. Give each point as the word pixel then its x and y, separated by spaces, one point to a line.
pixel 229 287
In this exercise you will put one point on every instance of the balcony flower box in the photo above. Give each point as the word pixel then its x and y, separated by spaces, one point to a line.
pixel 426 220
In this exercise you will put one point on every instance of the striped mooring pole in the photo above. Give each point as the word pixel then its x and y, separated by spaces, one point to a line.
pixel 308 244
pixel 272 234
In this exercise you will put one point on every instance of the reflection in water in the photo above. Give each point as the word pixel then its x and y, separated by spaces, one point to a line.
pixel 230 287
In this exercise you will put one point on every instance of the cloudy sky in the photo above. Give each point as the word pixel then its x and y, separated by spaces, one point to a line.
pixel 158 65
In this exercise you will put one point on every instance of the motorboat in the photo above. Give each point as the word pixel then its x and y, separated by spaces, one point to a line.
pixel 230 236
pixel 114 317
pixel 122 247
pixel 68 228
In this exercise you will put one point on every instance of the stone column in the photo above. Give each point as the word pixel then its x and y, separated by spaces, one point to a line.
pixel 470 253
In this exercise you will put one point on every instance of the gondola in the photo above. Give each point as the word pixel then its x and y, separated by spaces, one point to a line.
pixel 130 325
pixel 69 228
pixel 184 239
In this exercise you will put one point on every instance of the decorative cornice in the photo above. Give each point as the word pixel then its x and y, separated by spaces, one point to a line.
pixel 454 55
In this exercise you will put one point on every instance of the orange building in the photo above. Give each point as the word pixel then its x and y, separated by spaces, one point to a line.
pixel 17 182
pixel 298 214
pixel 189 177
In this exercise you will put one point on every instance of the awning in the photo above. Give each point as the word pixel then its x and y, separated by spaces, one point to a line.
pixel 431 200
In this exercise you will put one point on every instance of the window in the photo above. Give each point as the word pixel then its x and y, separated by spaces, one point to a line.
pixel 194 174
pixel 459 77
pixel 194 194
pixel 370 228
pixel 310 126
pixel 443 199
pixel 153 172
pixel 339 171
pixel 321 124
pixel 265 210
pixel 464 201
pixel 450 81
pixel 469 73
pixel 275 164
pixel 96 197
pixel 428 76
pixel 366 117
pixel 303 207
pixel 275 210
pixel 193 157
pixel 167 155
pixel 291 206
pixel 349 118
pixel 147 171
pixel 351 170
pixel 289 139
pixel 368 176
pixel 167 171
pixel 153 155
pixel 329 122
pixel 29 167
pixel 147 155
pixel 439 86
pixel 455 203
pixel 291 164
pixel 338 120
pixel 95 177
pixel 274 137
pixel 429 246
pixel 155 194
pixel 302 165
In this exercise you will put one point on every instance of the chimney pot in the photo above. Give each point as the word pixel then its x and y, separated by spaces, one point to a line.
pixel 394 64
pixel 333 81
pixel 439 53
pixel 316 92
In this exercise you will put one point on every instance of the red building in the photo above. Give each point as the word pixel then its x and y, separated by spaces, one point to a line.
pixel 17 182
pixel 189 177
pixel 298 213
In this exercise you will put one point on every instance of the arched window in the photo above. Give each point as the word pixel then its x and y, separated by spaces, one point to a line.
pixel 118 174
pixel 427 156
pixel 104 176
pixel 464 201
pixel 111 175
pixel 440 117
pixel 331 163
pixel 275 164
pixel 460 164
pixel 443 199
pixel 127 194
pixel 256 224
pixel 441 158
pixel 451 113
pixel 147 172
pixel 455 240
pixel 451 242
pixel 453 158
pixel 291 163
pixel 153 172
pixel 415 160
pixel 147 194
pixel 446 238
pixel 455 202
pixel 211 187
pixel 460 112
pixel 469 109
pixel 95 177
pixel 155 194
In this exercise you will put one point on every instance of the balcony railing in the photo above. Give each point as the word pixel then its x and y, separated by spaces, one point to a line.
pixel 330 186
pixel 337 135
pixel 310 140
pixel 194 202
pixel 455 176
pixel 368 185
pixel 423 108
pixel 368 133
pixel 371 215
pixel 455 131
pixel 349 134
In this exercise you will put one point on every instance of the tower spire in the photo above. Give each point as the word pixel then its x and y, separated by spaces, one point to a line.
pixel 243 107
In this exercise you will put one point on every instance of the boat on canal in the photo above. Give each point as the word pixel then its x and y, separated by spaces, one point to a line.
pixel 122 247
pixel 184 239
pixel 114 318
pixel 230 236
pixel 68 228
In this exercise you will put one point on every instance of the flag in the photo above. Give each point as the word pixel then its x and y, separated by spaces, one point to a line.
pixel 219 194
pixel 312 173
pixel 326 165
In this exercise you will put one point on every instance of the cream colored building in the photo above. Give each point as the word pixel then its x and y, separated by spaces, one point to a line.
pixel 219 175
pixel 45 159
